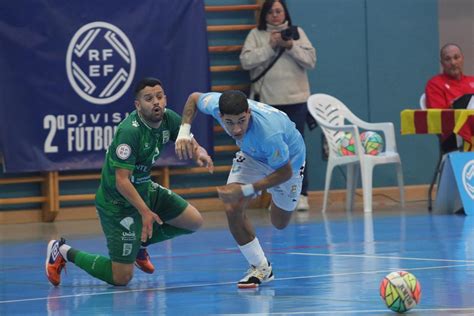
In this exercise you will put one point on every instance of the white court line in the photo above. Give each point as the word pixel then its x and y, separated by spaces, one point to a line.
pixel 371 272
pixel 116 292
pixel 224 283
pixel 376 257
pixel 367 311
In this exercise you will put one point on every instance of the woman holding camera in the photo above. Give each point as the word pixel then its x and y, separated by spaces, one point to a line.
pixel 277 54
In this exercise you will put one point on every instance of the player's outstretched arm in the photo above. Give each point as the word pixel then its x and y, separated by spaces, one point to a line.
pixel 277 177
pixel 184 146
pixel 233 193
pixel 190 108
pixel 202 158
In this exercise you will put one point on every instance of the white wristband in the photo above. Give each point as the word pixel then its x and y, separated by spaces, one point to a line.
pixel 184 131
pixel 247 190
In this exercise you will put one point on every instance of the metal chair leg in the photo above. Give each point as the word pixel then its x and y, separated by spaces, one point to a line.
pixel 435 176
pixel 430 190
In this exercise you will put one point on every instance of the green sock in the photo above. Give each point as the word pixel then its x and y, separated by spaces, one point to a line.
pixel 99 267
pixel 71 254
pixel 164 232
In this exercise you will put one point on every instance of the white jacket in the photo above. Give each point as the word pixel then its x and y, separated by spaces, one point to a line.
pixel 287 81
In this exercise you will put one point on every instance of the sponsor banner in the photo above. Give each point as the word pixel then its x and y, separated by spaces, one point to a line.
pixel 456 184
pixel 68 72
pixel 463 169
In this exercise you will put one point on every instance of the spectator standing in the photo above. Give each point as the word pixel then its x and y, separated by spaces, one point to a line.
pixel 282 53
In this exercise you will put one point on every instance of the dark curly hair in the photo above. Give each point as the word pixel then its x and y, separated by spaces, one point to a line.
pixel 146 82
pixel 233 102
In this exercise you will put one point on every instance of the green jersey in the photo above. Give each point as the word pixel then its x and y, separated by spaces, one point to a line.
pixel 135 147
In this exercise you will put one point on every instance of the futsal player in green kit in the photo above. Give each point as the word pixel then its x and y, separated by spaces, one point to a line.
pixel 134 211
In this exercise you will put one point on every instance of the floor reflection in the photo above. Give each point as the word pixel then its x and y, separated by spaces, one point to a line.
pixel 324 264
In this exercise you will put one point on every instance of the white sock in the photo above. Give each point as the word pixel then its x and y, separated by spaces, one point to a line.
pixel 63 250
pixel 253 252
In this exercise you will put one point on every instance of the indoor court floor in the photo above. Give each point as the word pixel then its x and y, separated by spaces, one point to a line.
pixel 323 265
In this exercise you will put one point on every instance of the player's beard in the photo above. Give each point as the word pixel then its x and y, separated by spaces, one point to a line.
pixel 153 116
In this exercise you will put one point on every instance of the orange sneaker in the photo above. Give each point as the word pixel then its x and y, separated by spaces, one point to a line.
pixel 54 261
pixel 143 261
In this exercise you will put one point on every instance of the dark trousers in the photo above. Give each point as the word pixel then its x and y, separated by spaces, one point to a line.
pixel 297 113
pixel 449 144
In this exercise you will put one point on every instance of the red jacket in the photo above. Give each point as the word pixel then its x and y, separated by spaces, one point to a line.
pixel 441 90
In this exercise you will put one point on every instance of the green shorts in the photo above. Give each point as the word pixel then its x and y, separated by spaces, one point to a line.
pixel 123 227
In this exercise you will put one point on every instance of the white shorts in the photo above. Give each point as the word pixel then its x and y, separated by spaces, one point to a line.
pixel 247 170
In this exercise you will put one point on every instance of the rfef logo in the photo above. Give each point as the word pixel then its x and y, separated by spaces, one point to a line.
pixel 100 62
pixel 468 178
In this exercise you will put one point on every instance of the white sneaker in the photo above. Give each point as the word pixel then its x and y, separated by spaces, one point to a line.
pixel 256 276
pixel 302 204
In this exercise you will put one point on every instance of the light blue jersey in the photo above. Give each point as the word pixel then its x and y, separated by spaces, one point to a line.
pixel 271 137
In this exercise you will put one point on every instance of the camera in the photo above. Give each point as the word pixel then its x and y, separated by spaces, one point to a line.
pixel 290 33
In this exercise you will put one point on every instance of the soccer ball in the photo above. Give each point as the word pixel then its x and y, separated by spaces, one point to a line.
pixel 400 291
pixel 346 145
pixel 372 142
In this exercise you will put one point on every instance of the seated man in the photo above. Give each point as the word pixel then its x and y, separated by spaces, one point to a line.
pixel 444 89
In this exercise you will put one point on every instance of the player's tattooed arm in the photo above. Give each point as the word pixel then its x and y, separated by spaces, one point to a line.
pixel 184 146
pixel 190 108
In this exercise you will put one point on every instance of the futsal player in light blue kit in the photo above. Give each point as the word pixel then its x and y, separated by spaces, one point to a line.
pixel 272 156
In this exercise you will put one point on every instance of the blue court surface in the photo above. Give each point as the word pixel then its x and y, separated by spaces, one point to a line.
pixel 322 266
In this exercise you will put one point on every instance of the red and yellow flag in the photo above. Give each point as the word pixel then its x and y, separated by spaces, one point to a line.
pixel 437 121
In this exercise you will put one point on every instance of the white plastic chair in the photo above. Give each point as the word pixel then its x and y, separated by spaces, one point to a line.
pixel 331 114
pixel 423 102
